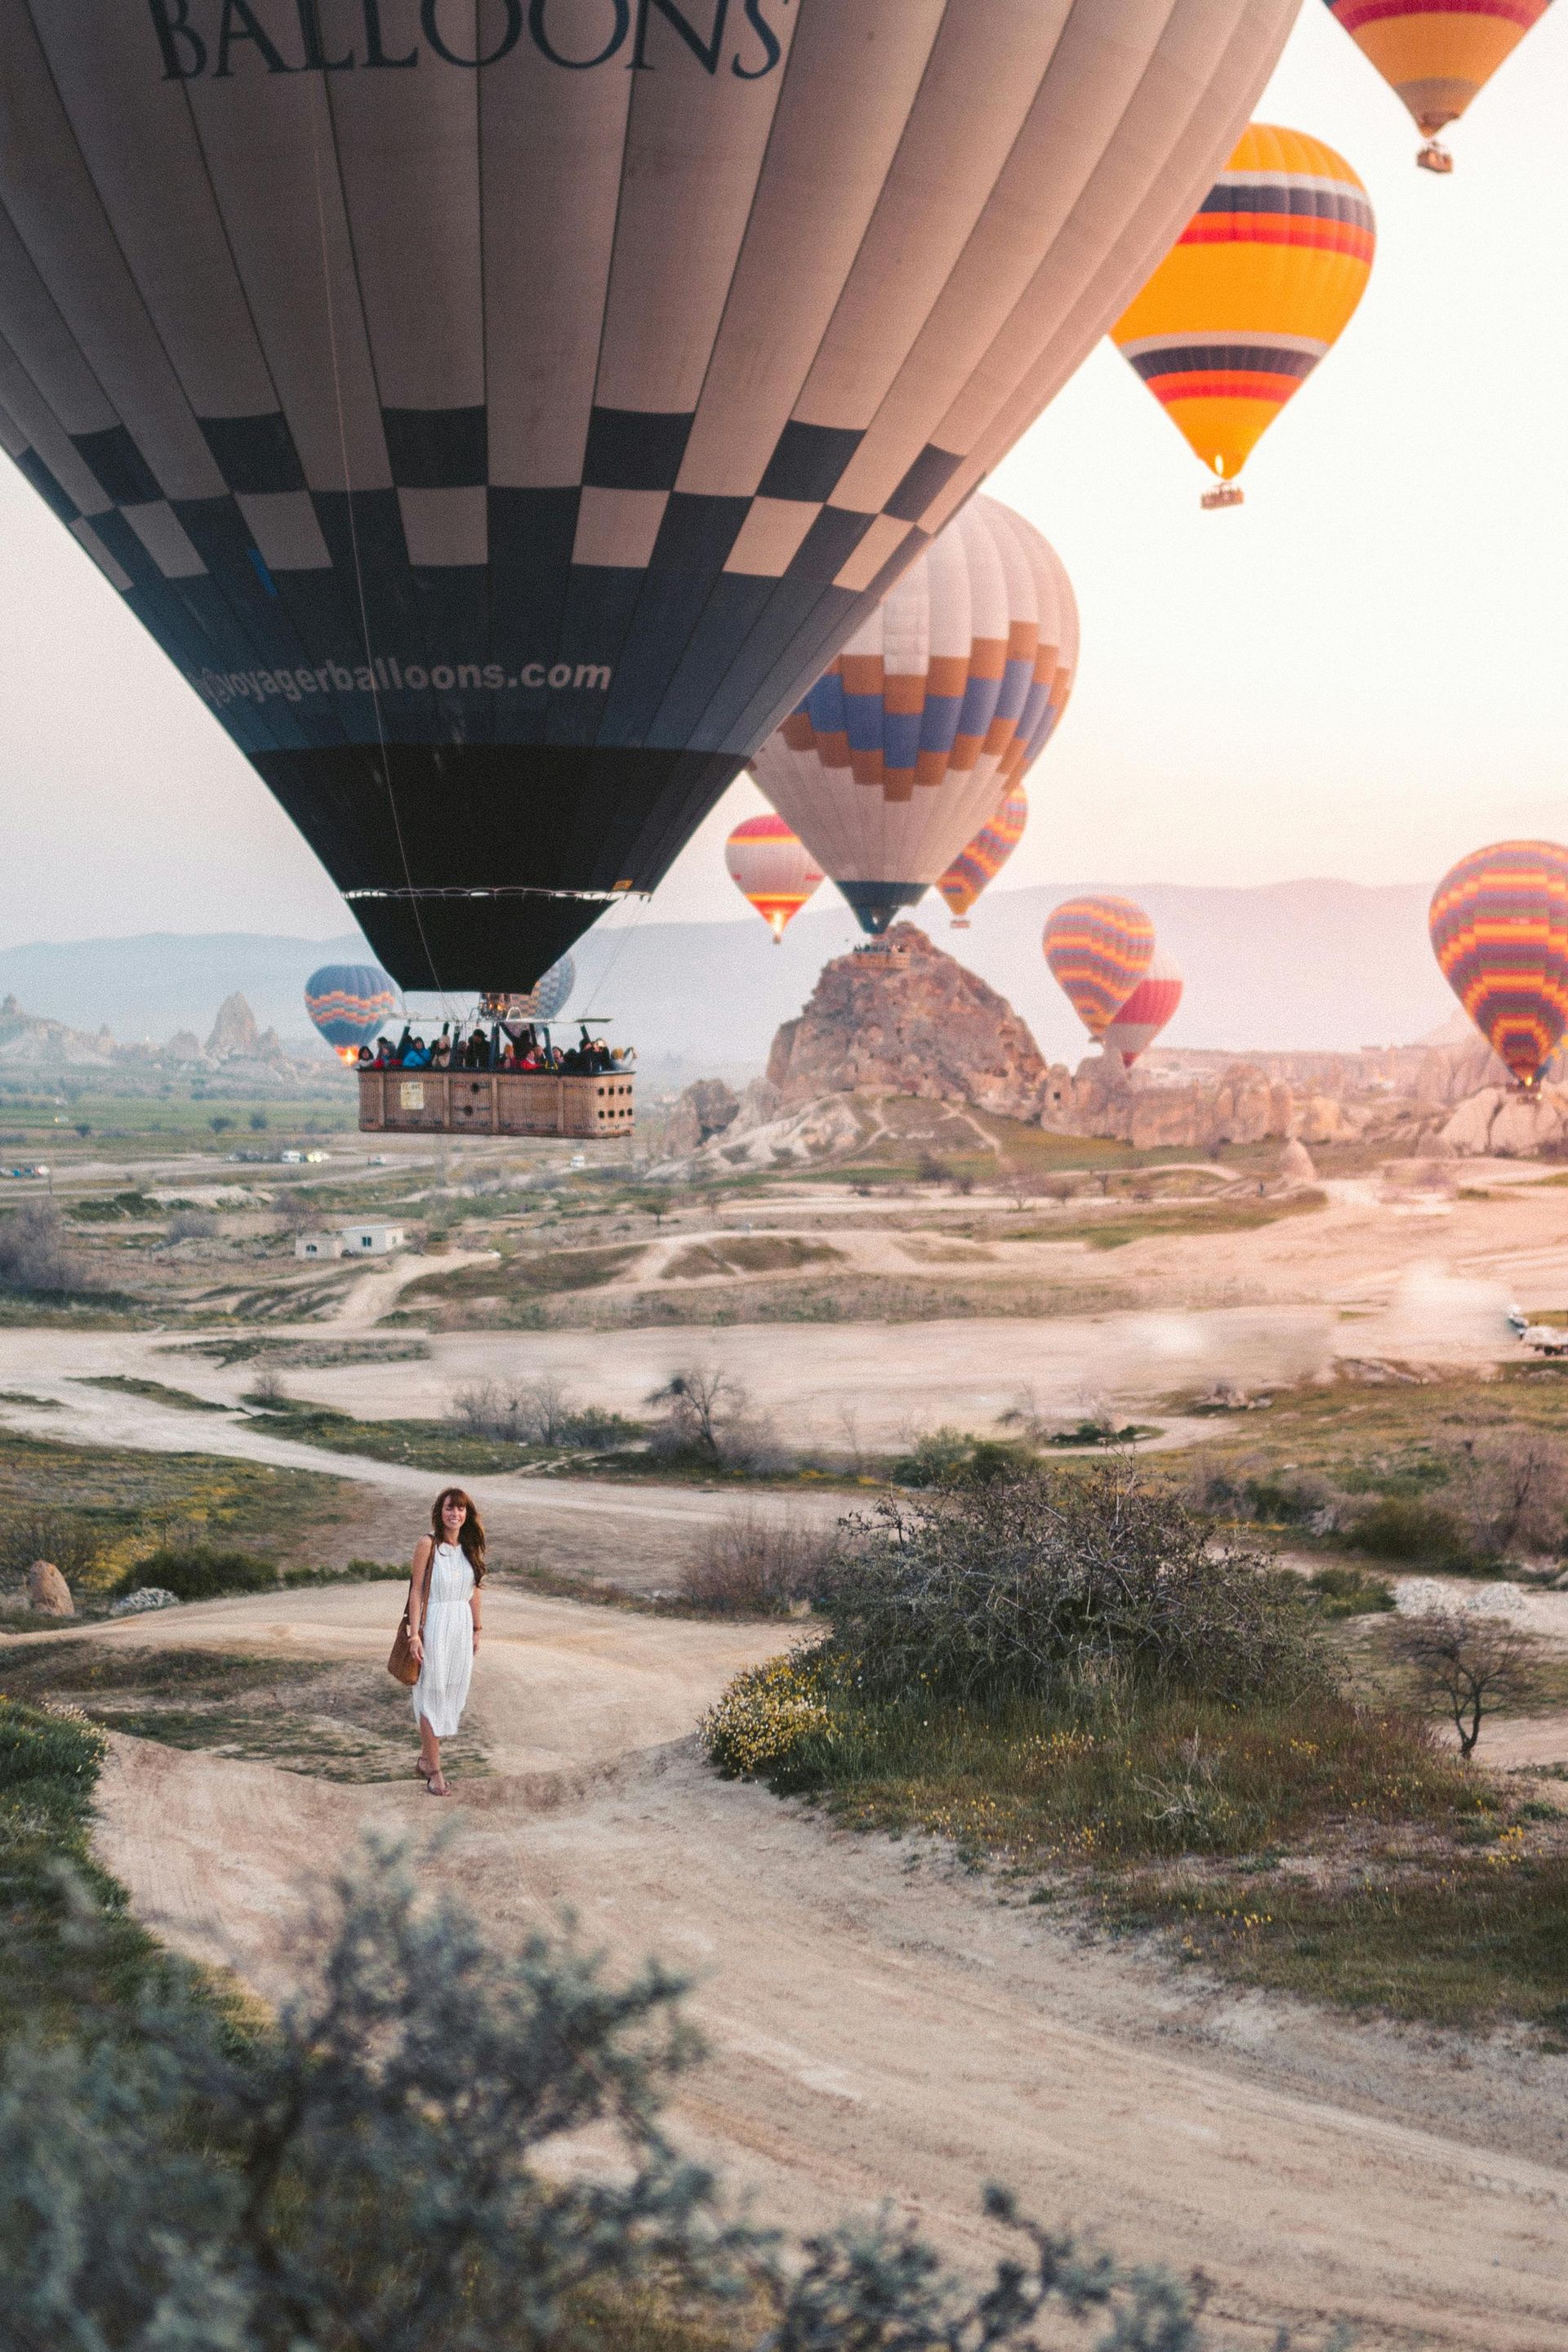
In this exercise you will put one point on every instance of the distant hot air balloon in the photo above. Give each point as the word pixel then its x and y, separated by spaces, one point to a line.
pixel 1099 949
pixel 1148 1010
pixel 1437 54
pixel 499 414
pixel 349 1002
pixel 773 869
pixel 1262 281
pixel 894 760
pixel 549 997
pixel 974 868
pixel 1500 932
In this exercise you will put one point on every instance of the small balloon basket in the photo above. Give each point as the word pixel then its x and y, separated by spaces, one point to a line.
pixel 1435 157
pixel 1224 494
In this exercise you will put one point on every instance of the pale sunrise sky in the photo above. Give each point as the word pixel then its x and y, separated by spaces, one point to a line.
pixel 1362 673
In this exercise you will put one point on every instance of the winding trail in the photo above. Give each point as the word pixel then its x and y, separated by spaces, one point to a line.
pixel 883 2026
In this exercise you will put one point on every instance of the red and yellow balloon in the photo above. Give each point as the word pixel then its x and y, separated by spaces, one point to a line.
pixel 1437 54
pixel 773 869
pixel 1500 932
pixel 1260 285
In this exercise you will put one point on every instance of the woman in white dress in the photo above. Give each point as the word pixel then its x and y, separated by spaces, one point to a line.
pixel 444 1624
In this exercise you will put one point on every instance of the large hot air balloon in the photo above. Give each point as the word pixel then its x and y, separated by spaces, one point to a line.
pixel 1500 932
pixel 894 760
pixel 501 413
pixel 549 996
pixel 1437 54
pixel 1099 949
pixel 773 869
pixel 1261 282
pixel 974 868
pixel 349 1002
pixel 1149 1008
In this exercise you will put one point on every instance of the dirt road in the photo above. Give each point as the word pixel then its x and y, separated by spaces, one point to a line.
pixel 884 2026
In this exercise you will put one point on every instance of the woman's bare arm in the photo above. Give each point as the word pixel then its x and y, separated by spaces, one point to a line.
pixel 418 1588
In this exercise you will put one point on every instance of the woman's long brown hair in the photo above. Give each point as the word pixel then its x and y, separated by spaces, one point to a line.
pixel 471 1535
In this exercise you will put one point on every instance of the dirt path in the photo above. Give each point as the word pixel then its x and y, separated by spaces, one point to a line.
pixel 883 2026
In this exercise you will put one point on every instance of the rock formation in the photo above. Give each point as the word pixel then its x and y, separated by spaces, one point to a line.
pixel 1239 1103
pixel 234 1033
pixel 1499 1122
pixel 906 1018
pixel 707 1108
pixel 48 1591
pixel 1295 1163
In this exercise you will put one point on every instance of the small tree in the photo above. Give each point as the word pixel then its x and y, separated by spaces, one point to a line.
pixel 697 1401
pixel 258 1122
pixel 219 1124
pixel 1513 1491
pixel 1469 1665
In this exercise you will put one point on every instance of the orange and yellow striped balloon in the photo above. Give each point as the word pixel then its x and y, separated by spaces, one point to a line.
pixel 1262 281
pixel 1500 932
pixel 974 868
pixel 1099 949
pixel 1437 56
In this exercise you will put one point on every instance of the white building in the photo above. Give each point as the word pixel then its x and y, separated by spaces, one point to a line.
pixel 319 1245
pixel 370 1241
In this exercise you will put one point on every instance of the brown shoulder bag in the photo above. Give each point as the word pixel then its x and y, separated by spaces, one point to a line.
pixel 403 1666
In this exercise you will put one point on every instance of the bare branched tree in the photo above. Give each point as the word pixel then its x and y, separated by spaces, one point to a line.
pixel 1469 1663
pixel 1513 1490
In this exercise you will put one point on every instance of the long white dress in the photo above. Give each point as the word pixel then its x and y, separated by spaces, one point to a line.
pixel 441 1692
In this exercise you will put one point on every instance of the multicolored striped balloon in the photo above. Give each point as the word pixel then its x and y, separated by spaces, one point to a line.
pixel 773 869
pixel 1099 949
pixel 897 755
pixel 985 857
pixel 349 1002
pixel 1500 932
pixel 1437 54
pixel 1262 281
pixel 1150 1009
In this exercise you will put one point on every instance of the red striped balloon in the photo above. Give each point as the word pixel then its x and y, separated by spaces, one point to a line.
pixel 773 869
pixel 1151 1008
pixel 1099 949
pixel 985 857
pixel 1500 932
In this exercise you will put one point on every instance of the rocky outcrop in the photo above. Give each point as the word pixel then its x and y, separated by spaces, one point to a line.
pixel 905 1018
pixel 48 1591
pixel 1503 1123
pixel 235 1035
pixel 1240 1105
pixel 707 1108
pixel 1296 1164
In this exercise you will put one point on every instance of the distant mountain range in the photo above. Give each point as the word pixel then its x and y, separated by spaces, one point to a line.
pixel 1330 965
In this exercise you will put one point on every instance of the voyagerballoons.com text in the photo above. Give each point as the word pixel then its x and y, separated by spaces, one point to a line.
pixel 387 676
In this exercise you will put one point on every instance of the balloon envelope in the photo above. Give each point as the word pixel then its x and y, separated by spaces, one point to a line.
pixel 550 995
pixel 1263 280
pixel 349 1002
pixel 773 869
pixel 1437 56
pixel 1098 949
pixel 894 760
pixel 1150 1009
pixel 499 414
pixel 974 868
pixel 1500 932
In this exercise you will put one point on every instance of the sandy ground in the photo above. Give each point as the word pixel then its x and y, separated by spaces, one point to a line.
pixel 883 2026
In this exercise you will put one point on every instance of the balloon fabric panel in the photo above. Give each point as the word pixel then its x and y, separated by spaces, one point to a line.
pixel 1436 58
pixel 1500 932
pixel 1260 285
pixel 499 438
pixel 1098 949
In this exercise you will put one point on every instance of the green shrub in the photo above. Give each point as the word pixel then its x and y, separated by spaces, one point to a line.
pixel 1399 1527
pixel 197 1572
pixel 941 1456
pixel 1351 1592
pixel 765 1717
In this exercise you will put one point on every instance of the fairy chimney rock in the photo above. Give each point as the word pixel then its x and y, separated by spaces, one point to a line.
pixel 909 1019
pixel 235 1031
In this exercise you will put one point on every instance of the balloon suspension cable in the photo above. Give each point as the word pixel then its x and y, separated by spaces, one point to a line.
pixel 1435 157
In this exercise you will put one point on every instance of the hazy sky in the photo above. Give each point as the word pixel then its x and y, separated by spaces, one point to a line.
pixel 1363 672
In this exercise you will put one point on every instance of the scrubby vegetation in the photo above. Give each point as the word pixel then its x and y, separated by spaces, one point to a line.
pixel 1067 1675
pixel 366 2168
pixel 196 1572
pixel 751 1565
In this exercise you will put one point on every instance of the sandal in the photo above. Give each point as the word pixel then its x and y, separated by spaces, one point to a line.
pixel 437 1785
